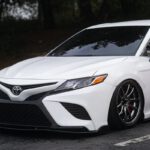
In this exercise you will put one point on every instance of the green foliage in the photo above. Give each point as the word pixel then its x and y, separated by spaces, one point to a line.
pixel 67 11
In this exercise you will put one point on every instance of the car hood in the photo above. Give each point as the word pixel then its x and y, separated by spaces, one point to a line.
pixel 58 67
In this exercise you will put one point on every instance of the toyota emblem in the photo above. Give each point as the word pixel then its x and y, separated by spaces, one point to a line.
pixel 16 90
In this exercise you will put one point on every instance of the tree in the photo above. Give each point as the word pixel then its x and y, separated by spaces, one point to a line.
pixel 46 14
pixel 128 8
pixel 85 9
pixel 104 11
pixel 4 5
pixel 1 8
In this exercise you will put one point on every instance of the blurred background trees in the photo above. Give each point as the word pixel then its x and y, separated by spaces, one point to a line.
pixel 31 27
pixel 53 13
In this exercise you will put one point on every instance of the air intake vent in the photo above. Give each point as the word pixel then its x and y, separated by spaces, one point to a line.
pixel 77 111
pixel 26 115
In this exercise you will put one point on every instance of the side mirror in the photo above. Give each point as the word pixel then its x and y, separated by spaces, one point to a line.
pixel 148 50
pixel 148 53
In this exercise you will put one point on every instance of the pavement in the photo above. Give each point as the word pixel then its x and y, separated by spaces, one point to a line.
pixel 136 138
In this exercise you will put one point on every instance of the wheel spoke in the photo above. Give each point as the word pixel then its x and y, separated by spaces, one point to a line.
pixel 130 92
pixel 126 93
pixel 125 114
pixel 119 105
pixel 133 99
pixel 121 112
pixel 134 107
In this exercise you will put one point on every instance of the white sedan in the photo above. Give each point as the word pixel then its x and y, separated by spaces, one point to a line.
pixel 98 77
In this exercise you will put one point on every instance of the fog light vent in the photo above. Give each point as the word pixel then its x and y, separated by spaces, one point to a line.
pixel 77 111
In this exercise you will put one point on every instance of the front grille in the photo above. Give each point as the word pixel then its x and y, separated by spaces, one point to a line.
pixel 22 115
pixel 36 96
pixel 4 95
pixel 25 87
pixel 77 111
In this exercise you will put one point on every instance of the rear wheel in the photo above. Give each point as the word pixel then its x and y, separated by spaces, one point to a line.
pixel 126 106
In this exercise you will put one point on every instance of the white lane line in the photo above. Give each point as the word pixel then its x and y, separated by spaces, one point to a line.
pixel 133 141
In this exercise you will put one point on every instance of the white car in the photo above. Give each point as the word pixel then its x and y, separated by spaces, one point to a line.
pixel 98 77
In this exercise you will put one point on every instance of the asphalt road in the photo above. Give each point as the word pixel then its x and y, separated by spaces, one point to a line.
pixel 137 138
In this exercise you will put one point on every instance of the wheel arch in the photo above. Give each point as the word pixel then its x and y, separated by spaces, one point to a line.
pixel 122 76
pixel 139 86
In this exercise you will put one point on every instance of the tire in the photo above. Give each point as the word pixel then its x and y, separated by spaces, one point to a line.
pixel 126 107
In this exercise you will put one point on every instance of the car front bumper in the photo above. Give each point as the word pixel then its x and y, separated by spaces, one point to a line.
pixel 83 110
pixel 30 116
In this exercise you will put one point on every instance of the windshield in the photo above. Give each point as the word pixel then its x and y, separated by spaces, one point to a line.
pixel 112 41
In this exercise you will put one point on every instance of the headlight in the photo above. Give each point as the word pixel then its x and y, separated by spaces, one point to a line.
pixel 81 83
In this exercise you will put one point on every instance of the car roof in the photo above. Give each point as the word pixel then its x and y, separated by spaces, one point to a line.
pixel 125 23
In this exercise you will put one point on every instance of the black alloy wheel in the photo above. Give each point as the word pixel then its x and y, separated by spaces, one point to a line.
pixel 126 107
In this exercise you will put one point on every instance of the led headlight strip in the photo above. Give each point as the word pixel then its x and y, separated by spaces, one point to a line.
pixel 74 84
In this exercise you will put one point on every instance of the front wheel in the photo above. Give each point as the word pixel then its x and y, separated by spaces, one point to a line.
pixel 126 106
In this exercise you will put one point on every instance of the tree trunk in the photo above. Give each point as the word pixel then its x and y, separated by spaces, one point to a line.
pixel 86 10
pixel 104 11
pixel 128 8
pixel 46 14
pixel 1 9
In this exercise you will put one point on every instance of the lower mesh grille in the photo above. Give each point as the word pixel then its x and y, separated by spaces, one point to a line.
pixel 4 95
pixel 77 111
pixel 22 114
